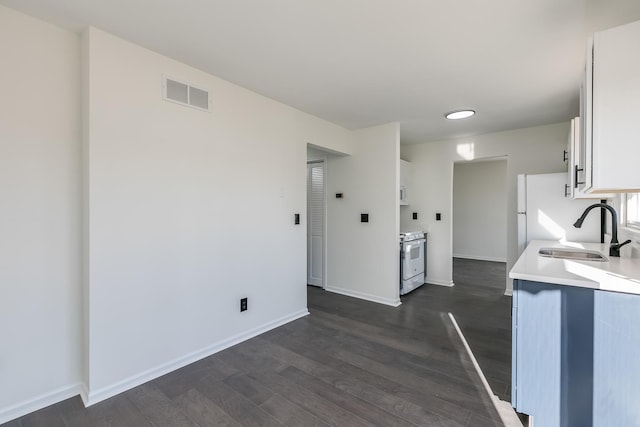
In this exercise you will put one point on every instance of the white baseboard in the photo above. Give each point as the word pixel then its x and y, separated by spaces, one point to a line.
pixel 99 395
pixel 505 411
pixel 480 258
pixel 84 394
pixel 92 397
pixel 364 296
pixel 25 407
pixel 432 281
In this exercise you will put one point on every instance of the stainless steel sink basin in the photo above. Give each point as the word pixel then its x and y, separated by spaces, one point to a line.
pixel 570 253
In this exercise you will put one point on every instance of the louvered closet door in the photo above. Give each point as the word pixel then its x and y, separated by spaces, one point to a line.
pixel 315 223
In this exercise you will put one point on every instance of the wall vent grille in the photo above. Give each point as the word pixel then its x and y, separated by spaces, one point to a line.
pixel 185 94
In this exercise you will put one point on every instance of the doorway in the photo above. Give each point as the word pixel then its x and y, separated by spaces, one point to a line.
pixel 315 222
pixel 480 209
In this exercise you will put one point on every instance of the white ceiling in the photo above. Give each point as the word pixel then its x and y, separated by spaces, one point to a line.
pixel 359 63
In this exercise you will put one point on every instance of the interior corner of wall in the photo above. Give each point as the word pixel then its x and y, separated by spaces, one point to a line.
pixel 84 393
pixel 87 32
pixel 398 128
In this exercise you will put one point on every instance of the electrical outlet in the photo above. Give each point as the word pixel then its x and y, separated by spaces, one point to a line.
pixel 415 215
pixel 243 304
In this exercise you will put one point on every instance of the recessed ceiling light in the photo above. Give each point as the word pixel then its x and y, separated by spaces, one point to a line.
pixel 459 114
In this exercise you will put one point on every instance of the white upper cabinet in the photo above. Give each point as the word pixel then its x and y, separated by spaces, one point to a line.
pixel 611 112
pixel 576 166
pixel 404 182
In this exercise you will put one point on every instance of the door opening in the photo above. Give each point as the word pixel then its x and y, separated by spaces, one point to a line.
pixel 315 222
pixel 479 226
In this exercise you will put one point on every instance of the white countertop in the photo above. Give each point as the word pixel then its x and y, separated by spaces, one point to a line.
pixel 616 275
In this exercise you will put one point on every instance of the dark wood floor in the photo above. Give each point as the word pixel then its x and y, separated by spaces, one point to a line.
pixel 484 315
pixel 350 363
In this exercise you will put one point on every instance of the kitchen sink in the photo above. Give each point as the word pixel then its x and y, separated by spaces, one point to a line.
pixel 570 253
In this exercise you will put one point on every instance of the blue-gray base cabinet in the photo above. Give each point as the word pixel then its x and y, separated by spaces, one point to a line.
pixel 576 355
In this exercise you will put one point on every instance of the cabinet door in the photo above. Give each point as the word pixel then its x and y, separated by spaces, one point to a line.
pixel 553 353
pixel 404 182
pixel 616 127
pixel 576 168
pixel 537 353
pixel 583 167
pixel 616 371
pixel 574 157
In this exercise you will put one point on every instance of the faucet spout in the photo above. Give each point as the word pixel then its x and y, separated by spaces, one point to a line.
pixel 614 247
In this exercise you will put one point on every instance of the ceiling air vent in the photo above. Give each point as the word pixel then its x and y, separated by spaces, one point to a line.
pixel 185 94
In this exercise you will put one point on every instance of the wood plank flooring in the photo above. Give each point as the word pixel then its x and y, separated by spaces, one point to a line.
pixel 350 363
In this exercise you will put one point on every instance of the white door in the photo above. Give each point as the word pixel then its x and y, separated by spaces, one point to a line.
pixel 315 223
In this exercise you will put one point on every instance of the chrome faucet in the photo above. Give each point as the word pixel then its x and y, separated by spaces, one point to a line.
pixel 614 247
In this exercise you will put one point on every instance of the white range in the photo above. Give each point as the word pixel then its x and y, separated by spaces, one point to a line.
pixel 413 248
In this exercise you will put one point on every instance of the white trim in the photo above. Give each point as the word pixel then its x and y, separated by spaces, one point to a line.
pixel 632 233
pixel 629 226
pixel 42 401
pixel 364 296
pixel 480 258
pixel 626 231
pixel 84 394
pixel 431 281
pixel 325 244
pixel 505 411
pixel 508 292
pixel 150 374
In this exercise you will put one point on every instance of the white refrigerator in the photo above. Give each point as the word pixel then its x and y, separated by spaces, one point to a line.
pixel 544 213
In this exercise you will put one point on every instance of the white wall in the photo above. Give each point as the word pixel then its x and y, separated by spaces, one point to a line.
pixel 134 225
pixel 480 210
pixel 531 150
pixel 188 212
pixel 40 355
pixel 363 258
